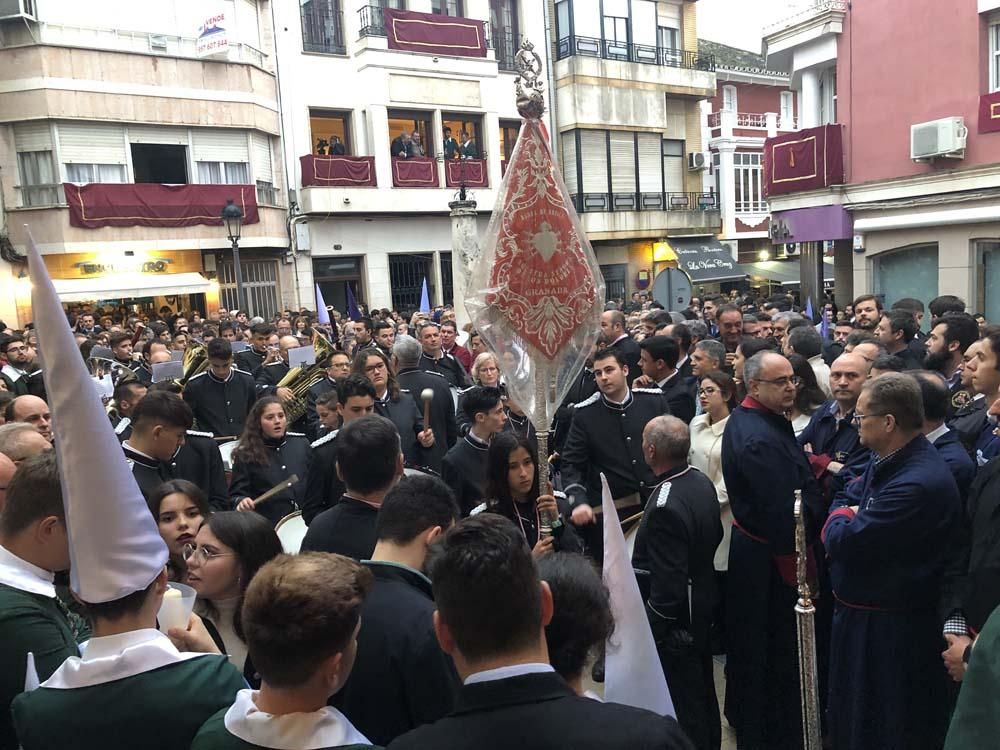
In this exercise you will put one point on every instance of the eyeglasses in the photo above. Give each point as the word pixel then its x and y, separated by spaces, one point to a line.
pixel 707 391
pixel 858 416
pixel 203 554
pixel 488 369
pixel 783 382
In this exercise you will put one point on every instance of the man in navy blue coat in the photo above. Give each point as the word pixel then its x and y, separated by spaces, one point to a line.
pixel 763 465
pixel 886 539
pixel 936 399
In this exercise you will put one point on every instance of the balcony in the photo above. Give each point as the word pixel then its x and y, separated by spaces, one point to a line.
pixel 586 202
pixel 639 53
pixel 323 33
pixel 338 171
pixel 638 215
pixel 726 124
pixel 811 159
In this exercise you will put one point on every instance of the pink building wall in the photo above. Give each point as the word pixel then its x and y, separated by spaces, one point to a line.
pixel 914 61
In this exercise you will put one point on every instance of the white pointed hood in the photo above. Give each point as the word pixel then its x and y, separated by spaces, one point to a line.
pixel 114 544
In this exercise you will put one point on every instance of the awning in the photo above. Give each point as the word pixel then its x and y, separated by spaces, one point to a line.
pixel 783 272
pixel 706 259
pixel 124 285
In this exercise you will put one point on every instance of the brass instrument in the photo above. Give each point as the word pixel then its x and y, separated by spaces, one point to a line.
pixel 101 366
pixel 195 362
pixel 299 380
pixel 805 615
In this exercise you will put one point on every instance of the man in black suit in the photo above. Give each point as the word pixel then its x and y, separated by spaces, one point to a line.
pixel 401 146
pixel 401 677
pixel 674 562
pixel 614 336
pixel 406 353
pixel 658 359
pixel 369 461
pixel 492 610
pixel 464 466
pixel 252 358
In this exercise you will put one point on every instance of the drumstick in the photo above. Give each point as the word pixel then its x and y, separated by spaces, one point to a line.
pixel 276 489
pixel 427 395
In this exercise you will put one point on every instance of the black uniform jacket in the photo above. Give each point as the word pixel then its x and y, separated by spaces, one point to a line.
pixel 312 418
pixel 221 406
pixel 607 437
pixel 628 347
pixel 541 711
pixel 250 360
pixel 409 421
pixel 199 461
pixel 402 678
pixel 269 376
pixel 448 367
pixel 415 381
pixel 348 529
pixel 323 486
pixel 286 457
pixel 680 393
pixel 149 472
pixel 464 470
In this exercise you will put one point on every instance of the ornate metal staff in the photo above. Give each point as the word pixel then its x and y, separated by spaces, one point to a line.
pixel 535 292
pixel 805 614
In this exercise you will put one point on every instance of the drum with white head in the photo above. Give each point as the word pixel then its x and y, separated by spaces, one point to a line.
pixel 291 530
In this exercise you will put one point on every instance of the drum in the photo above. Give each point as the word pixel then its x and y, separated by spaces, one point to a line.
pixel 226 450
pixel 412 470
pixel 630 527
pixel 291 530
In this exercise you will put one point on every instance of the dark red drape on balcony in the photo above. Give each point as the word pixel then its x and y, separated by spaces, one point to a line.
pixel 807 160
pixel 151 205
pixel 438 35
pixel 416 171
pixel 989 112
pixel 338 171
pixel 470 171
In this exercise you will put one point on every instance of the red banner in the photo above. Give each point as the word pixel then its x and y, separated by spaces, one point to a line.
pixel 989 112
pixel 417 171
pixel 807 160
pixel 470 172
pixel 338 171
pixel 98 205
pixel 434 34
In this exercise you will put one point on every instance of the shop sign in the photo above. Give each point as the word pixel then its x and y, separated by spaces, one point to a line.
pixel 97 268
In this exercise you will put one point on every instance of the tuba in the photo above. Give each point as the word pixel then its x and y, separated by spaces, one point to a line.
pixel 300 379
pixel 195 362
pixel 101 366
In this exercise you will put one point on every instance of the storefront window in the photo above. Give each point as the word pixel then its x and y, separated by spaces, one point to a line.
pixel 907 272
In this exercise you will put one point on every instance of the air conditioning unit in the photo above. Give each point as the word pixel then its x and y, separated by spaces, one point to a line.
pixel 157 43
pixel 938 139
pixel 791 250
pixel 698 161
pixel 11 9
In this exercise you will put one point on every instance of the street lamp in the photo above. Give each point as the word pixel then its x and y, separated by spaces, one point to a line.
pixel 232 216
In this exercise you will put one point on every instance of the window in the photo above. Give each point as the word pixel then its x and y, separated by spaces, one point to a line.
pixel 156 162
pixel 509 130
pixel 223 173
pixel 616 37
pixel 407 274
pixel 447 7
pixel 614 280
pixel 331 132
pixel 907 272
pixel 729 102
pixel 263 169
pixel 994 33
pixel 466 132
pixel 322 26
pixel 787 111
pixel 260 284
pixel 748 191
pixel 668 45
pixel 990 287
pixel 564 26
pixel 39 185
pixel 410 133
pixel 335 275
pixel 623 170
pixel 84 173
pixel 828 97
pixel 673 166
pixel 504 29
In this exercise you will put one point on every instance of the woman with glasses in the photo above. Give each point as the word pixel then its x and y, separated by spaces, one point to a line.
pixel 717 396
pixel 267 455
pixel 808 395
pixel 227 552
pixel 485 372
pixel 180 508
pixel 396 406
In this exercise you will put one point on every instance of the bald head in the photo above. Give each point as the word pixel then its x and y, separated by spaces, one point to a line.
pixel 31 410
pixel 666 442
pixel 159 356
pixel 7 469
pixel 285 343
pixel 847 376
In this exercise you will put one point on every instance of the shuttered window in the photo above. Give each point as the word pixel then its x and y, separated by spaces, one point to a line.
pixel 622 162
pixel 33 136
pixel 90 143
pixel 212 144
pixel 568 141
pixel 650 175
pixel 673 165
pixel 594 156
pixel 262 168
pixel 158 134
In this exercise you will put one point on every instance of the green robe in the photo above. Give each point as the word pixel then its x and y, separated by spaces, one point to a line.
pixel 35 623
pixel 975 725
pixel 157 710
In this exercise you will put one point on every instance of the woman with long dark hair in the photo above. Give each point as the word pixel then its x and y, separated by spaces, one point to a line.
pixel 808 395
pixel 227 552
pixel 180 508
pixel 268 454
pixel 512 491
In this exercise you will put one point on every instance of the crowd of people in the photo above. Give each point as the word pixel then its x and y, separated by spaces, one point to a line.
pixel 440 598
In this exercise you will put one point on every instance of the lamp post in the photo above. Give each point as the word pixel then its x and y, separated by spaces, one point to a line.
pixel 232 216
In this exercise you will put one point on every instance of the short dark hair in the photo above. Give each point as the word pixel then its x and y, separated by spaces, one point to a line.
pixel 581 620
pixel 609 352
pixel 934 393
pixel 450 324
pixel 910 304
pixel 367 452
pixel 9 338
pixel 944 304
pixel 299 610
pixel 888 363
pixel 354 385
pixel 860 336
pixel 158 328
pixel 118 608
pixel 161 407
pixel 262 329
pixel 329 399
pixel 228 325
pixel 117 339
pixel 902 320
pixel 960 327
pixel 219 349
pixel 33 493
pixel 486 587
pixel 805 340
pixel 366 322
pixel 728 309
pixel 480 399
pixel 662 347
pixel 750 347
pixel 125 391
pixel 682 335
pixel 867 298
pixel 414 505
pixel 382 325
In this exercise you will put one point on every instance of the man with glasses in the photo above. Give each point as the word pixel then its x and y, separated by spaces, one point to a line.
pixel 886 540
pixel 16 360
pixel 338 369
pixel 763 466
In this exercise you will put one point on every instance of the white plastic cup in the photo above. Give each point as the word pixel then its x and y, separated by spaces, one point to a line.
pixel 178 603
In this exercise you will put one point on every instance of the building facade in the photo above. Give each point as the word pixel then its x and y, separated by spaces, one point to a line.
pixel 124 130
pixel 629 78
pixel 370 206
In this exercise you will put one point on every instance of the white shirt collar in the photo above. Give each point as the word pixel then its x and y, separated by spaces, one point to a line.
pixel 681 362
pixel 623 336
pixel 503 673
pixel 667 379
pixel 934 435
pixel 113 645
pixel 126 444
pixel 22 575
pixel 327 727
